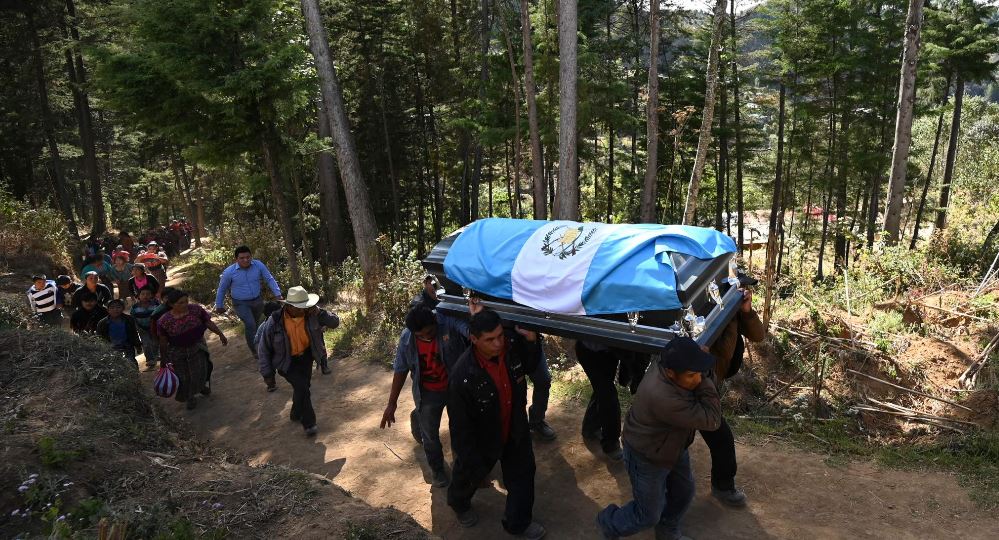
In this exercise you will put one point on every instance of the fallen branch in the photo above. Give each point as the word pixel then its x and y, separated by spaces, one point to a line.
pixel 953 312
pixel 967 379
pixel 798 377
pixel 909 416
pixel 900 408
pixel 909 390
pixel 393 452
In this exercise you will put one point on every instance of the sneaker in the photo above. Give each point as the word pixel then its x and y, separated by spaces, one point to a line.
pixel 543 431
pixel 441 479
pixel 730 497
pixel 191 403
pixel 534 531
pixel 311 431
pixel 468 518
pixel 207 390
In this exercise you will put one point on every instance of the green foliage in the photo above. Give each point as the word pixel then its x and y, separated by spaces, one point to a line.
pixel 37 236
pixel 14 315
pixel 55 455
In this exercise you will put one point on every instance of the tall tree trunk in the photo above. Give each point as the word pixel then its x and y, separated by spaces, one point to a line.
pixel 649 191
pixel 509 179
pixel 903 121
pixel 948 177
pixel 361 217
pixel 48 123
pixel 431 164
pixel 303 230
pixel 610 173
pixel 515 210
pixel 707 114
pixel 269 148
pixel 929 171
pixel 530 91
pixel 484 35
pixel 820 272
pixel 842 168
pixel 740 201
pixel 567 195
pixel 333 225
pixel 722 152
pixel 775 210
pixel 183 182
pixel 394 182
pixel 87 140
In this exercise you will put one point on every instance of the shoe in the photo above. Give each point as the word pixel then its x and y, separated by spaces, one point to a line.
pixel 295 417
pixel 311 431
pixel 468 518
pixel 207 390
pixel 326 370
pixel 730 497
pixel 441 479
pixel 615 453
pixel 663 534
pixel 271 388
pixel 543 431
pixel 534 531
pixel 191 403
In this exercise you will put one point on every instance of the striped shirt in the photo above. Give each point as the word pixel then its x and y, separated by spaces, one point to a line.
pixel 44 300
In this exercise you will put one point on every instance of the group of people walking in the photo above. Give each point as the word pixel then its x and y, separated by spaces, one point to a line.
pixel 476 370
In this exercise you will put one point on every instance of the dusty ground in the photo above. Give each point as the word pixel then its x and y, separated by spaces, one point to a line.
pixel 792 494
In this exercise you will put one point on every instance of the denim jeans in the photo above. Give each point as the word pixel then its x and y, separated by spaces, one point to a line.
pixel 150 346
pixel 662 497
pixel 542 379
pixel 432 406
pixel 250 312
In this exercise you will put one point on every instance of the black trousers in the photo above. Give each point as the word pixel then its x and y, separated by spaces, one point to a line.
pixel 299 376
pixel 721 443
pixel 517 462
pixel 604 410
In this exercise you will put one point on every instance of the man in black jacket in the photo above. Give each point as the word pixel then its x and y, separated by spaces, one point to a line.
pixel 487 407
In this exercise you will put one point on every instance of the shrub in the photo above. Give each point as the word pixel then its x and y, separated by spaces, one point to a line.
pixel 33 239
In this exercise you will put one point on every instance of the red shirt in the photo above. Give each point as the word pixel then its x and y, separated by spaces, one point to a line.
pixel 433 376
pixel 496 368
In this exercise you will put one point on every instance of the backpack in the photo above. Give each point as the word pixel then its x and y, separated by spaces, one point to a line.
pixel 166 382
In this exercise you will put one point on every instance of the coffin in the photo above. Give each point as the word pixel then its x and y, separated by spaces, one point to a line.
pixel 633 287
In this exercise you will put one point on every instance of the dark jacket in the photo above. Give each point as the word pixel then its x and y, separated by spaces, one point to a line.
pixel 663 417
pixel 452 341
pixel 473 408
pixel 85 322
pixel 152 284
pixel 131 329
pixel 71 291
pixel 723 349
pixel 104 294
pixel 274 349
pixel 424 299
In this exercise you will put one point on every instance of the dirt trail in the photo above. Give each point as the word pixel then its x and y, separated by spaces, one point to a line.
pixel 793 494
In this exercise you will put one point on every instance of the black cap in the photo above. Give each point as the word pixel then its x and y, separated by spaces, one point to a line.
pixel 684 354
pixel 745 280
pixel 64 280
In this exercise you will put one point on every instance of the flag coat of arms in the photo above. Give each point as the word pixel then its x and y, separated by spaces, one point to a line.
pixel 575 268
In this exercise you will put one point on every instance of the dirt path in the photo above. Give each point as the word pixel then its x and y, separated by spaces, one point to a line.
pixel 792 494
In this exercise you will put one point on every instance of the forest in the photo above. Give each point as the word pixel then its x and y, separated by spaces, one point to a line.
pixel 850 148
pixel 336 123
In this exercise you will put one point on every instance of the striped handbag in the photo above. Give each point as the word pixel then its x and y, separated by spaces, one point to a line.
pixel 166 382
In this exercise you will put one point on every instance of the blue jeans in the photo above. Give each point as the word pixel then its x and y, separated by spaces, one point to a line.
pixel 662 497
pixel 250 312
pixel 432 406
pixel 542 379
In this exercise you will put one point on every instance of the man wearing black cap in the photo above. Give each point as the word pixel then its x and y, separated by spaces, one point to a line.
pixel 674 399
pixel 728 350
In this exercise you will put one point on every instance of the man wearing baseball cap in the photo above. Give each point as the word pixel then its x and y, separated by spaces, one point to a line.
pixel 290 341
pixel 674 400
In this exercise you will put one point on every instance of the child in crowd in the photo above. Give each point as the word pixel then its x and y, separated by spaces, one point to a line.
pixel 45 300
pixel 120 329
pixel 67 290
pixel 88 313
pixel 142 312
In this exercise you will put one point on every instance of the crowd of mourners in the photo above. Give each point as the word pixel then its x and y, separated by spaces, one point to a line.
pixel 476 370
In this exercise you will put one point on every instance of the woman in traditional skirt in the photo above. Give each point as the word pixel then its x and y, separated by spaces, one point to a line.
pixel 181 333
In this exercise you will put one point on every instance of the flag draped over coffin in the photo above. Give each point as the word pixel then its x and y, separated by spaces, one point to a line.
pixel 576 268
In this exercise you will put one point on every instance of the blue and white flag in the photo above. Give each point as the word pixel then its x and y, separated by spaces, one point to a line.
pixel 576 268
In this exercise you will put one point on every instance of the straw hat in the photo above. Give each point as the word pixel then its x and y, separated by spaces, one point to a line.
pixel 300 298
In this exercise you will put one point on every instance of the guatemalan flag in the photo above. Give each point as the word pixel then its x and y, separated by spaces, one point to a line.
pixel 574 268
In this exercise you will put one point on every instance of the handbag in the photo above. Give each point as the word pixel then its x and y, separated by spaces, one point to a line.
pixel 166 382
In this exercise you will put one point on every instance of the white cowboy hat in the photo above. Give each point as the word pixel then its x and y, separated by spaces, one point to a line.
pixel 300 298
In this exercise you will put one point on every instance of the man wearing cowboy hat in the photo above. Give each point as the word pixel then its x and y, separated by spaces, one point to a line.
pixel 290 341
